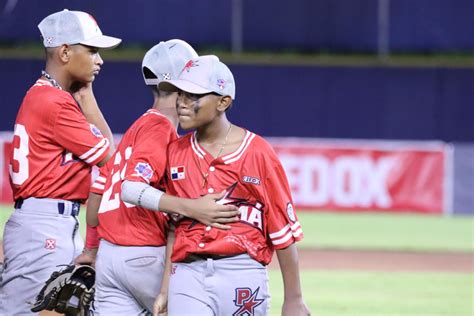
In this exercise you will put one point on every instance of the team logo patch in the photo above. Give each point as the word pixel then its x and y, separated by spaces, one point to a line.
pixel 165 76
pixel 190 64
pixel 221 84
pixel 49 39
pixel 291 212
pixel 50 244
pixel 94 130
pixel 252 180
pixel 177 173
pixel 144 170
pixel 246 300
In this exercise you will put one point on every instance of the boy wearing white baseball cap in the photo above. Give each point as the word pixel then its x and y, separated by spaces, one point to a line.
pixel 223 272
pixel 59 134
pixel 133 233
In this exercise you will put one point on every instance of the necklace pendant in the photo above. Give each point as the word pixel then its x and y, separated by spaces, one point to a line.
pixel 204 179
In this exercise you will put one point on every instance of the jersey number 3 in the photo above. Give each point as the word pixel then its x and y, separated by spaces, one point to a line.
pixel 20 154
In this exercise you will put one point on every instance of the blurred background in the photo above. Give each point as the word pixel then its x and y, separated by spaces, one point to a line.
pixel 368 103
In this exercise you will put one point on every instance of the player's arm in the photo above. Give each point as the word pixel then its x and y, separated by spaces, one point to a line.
pixel 161 302
pixel 91 246
pixel 284 231
pixel 89 253
pixel 293 303
pixel 84 95
pixel 204 209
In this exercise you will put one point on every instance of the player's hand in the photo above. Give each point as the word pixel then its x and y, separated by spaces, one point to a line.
pixel 209 211
pixel 160 307
pixel 295 308
pixel 88 256
pixel 83 93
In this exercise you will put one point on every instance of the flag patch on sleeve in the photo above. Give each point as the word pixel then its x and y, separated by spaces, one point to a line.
pixel 177 173
pixel 142 169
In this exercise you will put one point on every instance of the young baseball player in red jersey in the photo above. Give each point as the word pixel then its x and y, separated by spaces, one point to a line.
pixel 222 272
pixel 58 136
pixel 131 256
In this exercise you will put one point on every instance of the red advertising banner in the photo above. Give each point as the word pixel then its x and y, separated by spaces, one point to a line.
pixel 344 175
pixel 384 176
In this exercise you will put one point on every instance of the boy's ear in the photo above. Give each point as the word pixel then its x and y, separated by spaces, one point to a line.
pixel 64 53
pixel 225 103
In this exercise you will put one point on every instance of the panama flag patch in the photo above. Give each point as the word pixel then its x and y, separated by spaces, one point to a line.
pixel 177 173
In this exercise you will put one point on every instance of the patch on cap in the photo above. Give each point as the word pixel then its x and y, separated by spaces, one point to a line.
pixel 190 64
pixel 221 83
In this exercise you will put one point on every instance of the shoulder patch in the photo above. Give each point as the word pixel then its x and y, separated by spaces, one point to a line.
pixel 144 170
pixel 95 130
pixel 291 212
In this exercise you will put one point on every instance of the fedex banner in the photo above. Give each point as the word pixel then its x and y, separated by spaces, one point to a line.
pixel 346 175
pixel 355 175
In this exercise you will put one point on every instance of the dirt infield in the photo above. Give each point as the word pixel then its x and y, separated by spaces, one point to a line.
pixel 384 260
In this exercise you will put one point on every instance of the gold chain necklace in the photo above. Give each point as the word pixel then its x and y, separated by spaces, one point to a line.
pixel 205 175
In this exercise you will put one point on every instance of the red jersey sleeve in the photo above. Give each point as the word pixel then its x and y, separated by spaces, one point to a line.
pixel 283 227
pixel 84 140
pixel 148 160
pixel 98 187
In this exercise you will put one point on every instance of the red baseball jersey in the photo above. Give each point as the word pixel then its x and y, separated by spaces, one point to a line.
pixel 54 146
pixel 140 156
pixel 254 180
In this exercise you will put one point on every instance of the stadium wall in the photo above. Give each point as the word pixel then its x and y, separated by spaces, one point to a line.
pixel 358 175
pixel 401 103
pixel 335 25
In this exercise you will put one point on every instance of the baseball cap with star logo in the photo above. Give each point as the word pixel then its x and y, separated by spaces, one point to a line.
pixel 165 60
pixel 203 75
pixel 74 27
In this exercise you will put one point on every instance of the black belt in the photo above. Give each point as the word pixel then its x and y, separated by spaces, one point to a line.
pixel 74 212
pixel 204 256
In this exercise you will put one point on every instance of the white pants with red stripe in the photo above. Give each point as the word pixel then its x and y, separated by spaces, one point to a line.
pixel 209 287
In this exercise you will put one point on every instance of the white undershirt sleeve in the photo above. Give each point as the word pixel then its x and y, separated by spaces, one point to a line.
pixel 141 194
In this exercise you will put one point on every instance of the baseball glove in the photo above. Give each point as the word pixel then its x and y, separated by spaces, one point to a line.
pixel 68 291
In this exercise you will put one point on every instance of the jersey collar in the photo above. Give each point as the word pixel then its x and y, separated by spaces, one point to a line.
pixel 227 159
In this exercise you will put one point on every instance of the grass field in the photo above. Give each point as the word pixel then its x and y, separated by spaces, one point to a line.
pixel 367 293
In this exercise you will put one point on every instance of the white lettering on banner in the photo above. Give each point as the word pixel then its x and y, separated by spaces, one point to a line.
pixel 347 181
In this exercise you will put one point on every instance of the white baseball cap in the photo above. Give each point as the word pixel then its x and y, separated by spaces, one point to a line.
pixel 165 61
pixel 74 27
pixel 203 75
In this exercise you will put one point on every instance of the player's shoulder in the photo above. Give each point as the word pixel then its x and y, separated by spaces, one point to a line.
pixel 182 142
pixel 49 94
pixel 260 145
pixel 155 119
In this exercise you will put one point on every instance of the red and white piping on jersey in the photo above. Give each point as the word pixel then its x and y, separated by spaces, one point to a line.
pixel 195 145
pixel 153 111
pixel 287 232
pixel 249 136
pixel 156 112
pixel 99 183
pixel 240 151
pixel 95 152
pixel 41 83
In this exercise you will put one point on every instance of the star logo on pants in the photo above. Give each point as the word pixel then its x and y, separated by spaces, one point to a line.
pixel 247 301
